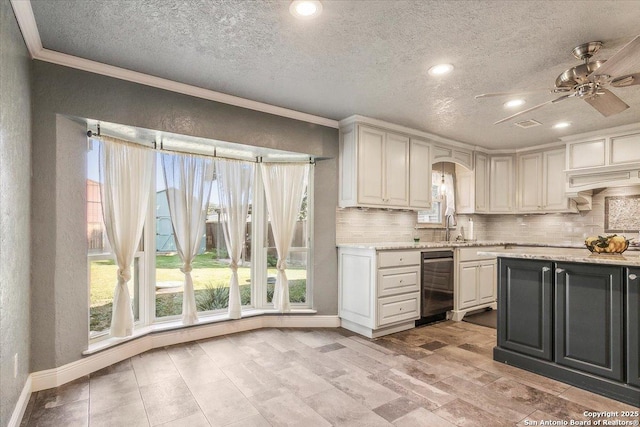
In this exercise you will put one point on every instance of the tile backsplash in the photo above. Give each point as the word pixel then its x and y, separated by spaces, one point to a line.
pixel 378 225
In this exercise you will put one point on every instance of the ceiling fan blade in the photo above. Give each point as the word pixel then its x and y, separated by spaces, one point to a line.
pixel 527 92
pixel 625 61
pixel 607 104
pixel 628 80
pixel 553 101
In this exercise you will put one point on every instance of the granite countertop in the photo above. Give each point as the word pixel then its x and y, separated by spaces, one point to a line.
pixel 382 246
pixel 629 258
pixel 559 251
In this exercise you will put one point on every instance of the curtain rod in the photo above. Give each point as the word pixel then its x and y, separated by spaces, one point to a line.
pixel 258 159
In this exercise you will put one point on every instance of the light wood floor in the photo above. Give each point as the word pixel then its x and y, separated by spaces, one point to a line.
pixel 436 375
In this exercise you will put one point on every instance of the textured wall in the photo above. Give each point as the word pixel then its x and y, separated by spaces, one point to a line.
pixel 15 170
pixel 60 329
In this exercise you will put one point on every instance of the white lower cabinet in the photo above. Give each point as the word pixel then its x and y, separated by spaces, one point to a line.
pixel 475 282
pixel 379 291
pixel 398 308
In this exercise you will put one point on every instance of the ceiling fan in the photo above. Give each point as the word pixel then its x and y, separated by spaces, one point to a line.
pixel 587 81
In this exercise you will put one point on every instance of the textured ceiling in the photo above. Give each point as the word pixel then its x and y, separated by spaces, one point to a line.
pixel 362 57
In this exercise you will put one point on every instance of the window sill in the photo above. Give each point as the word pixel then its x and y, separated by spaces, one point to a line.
pixel 172 325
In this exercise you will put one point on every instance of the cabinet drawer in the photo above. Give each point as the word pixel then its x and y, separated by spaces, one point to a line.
pixel 394 281
pixel 471 254
pixel 398 308
pixel 398 258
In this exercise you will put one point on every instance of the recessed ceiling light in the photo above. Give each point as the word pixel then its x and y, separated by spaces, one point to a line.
pixel 305 9
pixel 440 69
pixel 561 125
pixel 514 103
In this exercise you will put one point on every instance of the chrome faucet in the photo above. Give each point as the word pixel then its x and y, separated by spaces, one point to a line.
pixel 449 221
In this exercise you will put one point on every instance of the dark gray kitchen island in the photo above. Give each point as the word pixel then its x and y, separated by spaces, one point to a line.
pixel 573 317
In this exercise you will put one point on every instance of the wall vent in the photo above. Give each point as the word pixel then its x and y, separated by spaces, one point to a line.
pixel 525 124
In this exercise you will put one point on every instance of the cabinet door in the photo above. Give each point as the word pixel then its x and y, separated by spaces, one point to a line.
pixel 553 181
pixel 396 155
pixel 398 308
pixel 530 182
pixel 356 286
pixel 467 285
pixel 525 311
pixel 589 307
pixel 482 182
pixel 420 174
pixel 501 184
pixel 371 148
pixel 633 326
pixel 486 281
pixel 465 199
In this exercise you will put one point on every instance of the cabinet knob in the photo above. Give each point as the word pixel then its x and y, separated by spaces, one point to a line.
pixel 400 259
pixel 545 269
pixel 559 270
pixel 632 276
pixel 401 280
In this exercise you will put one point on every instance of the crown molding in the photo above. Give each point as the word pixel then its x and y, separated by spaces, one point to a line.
pixel 27 23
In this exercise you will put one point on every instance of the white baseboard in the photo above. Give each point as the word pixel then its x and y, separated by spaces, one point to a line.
pixel 21 405
pixel 66 373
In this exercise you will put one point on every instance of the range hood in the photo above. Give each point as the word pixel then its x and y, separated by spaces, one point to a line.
pixel 581 183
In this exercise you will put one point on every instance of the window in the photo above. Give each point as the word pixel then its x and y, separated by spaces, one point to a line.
pixel 211 273
pixel 435 215
pixel 157 281
pixel 102 267
pixel 442 199
pixel 297 261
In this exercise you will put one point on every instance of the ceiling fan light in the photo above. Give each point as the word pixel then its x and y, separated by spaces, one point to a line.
pixel 305 9
pixel 440 69
pixel 561 125
pixel 514 103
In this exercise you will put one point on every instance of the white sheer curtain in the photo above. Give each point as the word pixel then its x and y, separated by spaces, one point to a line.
pixel 284 185
pixel 188 179
pixel 125 171
pixel 234 189
pixel 450 195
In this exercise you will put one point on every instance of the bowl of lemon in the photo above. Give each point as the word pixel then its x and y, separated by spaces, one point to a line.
pixel 612 244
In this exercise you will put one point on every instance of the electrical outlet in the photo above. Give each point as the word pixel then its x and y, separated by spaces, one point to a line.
pixel 15 365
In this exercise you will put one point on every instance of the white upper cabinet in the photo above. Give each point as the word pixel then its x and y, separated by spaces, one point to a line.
pixel 609 158
pixel 419 174
pixel 396 171
pixel 554 197
pixel 472 186
pixel 374 168
pixel 465 190
pixel 586 154
pixel 481 173
pixel 501 184
pixel 541 182
pixel 530 182
pixel 624 149
pixel 620 148
pixel 371 166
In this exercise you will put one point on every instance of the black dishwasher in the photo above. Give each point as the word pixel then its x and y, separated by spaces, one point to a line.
pixel 437 285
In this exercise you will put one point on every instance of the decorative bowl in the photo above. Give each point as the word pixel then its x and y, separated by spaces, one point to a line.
pixel 612 244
